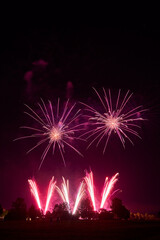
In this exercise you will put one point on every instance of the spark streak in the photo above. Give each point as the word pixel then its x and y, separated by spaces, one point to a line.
pixel 90 186
pixel 108 186
pixel 79 196
pixel 34 191
pixel 64 191
pixel 51 188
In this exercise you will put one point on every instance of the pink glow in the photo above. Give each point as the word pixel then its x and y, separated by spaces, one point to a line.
pixel 90 186
pixel 34 191
pixel 51 188
pixel 40 63
pixel 108 186
pixel 80 195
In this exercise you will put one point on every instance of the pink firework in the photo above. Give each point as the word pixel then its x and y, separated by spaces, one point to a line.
pixel 53 128
pixel 112 119
pixel 51 188
pixel 64 191
pixel 108 186
pixel 107 190
pixel 90 187
pixel 79 196
pixel 34 191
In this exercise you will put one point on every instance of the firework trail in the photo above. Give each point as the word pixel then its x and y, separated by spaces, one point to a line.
pixel 34 191
pixel 64 191
pixel 108 186
pixel 113 119
pixel 55 129
pixel 79 196
pixel 90 187
pixel 51 188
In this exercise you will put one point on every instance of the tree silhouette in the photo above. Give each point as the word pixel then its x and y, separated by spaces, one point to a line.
pixel 61 211
pixel 105 215
pixel 33 213
pixel 119 210
pixel 86 209
pixel 18 210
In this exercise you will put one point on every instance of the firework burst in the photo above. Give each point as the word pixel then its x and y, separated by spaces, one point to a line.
pixel 116 119
pixel 55 129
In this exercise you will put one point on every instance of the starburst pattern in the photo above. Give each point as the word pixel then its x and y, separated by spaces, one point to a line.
pixel 53 128
pixel 116 119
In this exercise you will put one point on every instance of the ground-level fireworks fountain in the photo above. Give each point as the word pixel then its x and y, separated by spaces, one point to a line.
pixel 86 187
pixel 60 128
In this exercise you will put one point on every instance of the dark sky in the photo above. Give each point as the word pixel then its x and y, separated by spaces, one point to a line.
pixel 112 56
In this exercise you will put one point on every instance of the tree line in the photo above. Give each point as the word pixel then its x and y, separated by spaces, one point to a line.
pixel 62 211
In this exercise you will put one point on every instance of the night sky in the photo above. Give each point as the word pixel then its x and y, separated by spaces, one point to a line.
pixel 112 56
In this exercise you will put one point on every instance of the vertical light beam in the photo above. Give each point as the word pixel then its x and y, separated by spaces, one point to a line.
pixel 90 187
pixel 51 188
pixel 34 191
pixel 79 196
pixel 64 191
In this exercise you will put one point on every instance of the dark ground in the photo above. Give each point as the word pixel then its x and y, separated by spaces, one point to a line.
pixel 80 230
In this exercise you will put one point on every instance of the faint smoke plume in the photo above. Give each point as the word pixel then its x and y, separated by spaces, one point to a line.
pixel 35 78
pixel 69 89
